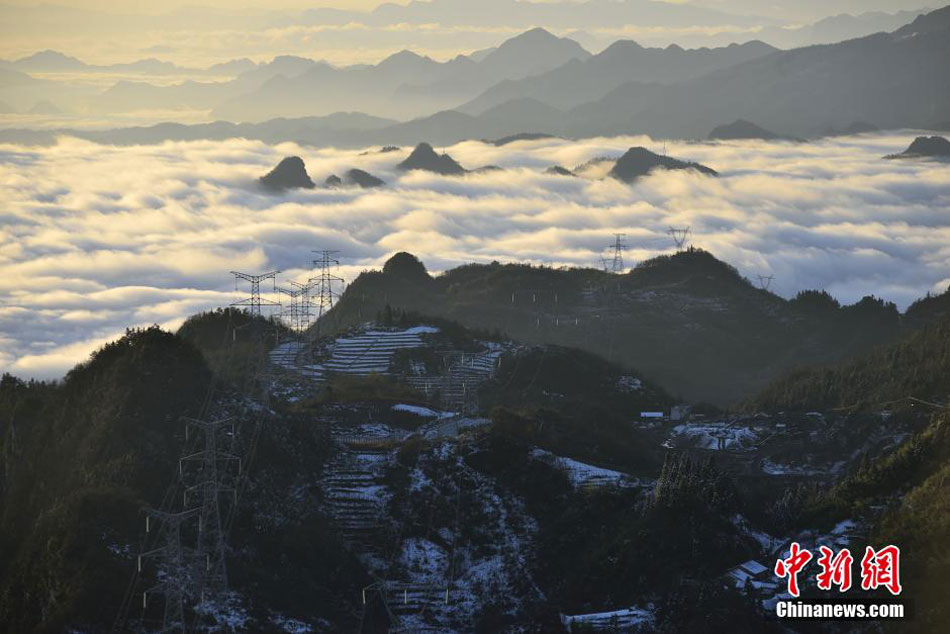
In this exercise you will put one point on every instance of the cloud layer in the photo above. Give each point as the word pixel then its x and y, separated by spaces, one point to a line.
pixel 94 239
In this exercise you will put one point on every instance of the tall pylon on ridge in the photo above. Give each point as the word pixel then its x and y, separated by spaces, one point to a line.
pixel 304 304
pixel 298 313
pixel 619 246
pixel 255 301
pixel 211 479
pixel 765 281
pixel 323 293
pixel 679 235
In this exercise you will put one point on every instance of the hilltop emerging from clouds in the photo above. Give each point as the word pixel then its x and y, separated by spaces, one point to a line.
pixel 155 243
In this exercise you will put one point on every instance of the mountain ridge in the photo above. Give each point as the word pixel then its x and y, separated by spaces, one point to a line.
pixel 691 322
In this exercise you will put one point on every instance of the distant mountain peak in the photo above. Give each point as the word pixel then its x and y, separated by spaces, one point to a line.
pixel 534 50
pixel 405 58
pixel 639 161
pixel 558 170
pixel 424 157
pixel 290 173
pixel 925 146
pixel 935 21
pixel 535 33
pixel 742 129
pixel 406 266
pixel 521 136
pixel 49 60
pixel 363 179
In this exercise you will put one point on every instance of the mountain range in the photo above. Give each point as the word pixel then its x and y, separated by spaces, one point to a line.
pixel 688 321
pixel 559 493
pixel 886 80
pixel 50 61
pixel 404 84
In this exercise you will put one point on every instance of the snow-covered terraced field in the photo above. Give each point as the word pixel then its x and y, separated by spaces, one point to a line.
pixel 372 351
pixel 288 356
pixel 354 496
pixel 716 436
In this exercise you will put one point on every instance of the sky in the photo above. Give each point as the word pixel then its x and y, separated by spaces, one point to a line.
pixel 150 7
pixel 94 239
pixel 205 32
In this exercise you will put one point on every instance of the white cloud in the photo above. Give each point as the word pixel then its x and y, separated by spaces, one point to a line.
pixel 95 239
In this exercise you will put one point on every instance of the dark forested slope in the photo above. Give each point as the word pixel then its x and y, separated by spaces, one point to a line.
pixel 689 321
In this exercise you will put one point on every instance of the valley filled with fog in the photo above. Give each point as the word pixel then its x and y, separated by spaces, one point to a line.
pixel 99 238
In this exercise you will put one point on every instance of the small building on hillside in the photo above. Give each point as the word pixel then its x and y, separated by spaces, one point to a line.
pixel 751 574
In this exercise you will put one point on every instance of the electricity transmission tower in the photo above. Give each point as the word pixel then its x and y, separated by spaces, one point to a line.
pixel 765 281
pixel 173 566
pixel 619 246
pixel 679 236
pixel 254 302
pixel 322 284
pixel 303 304
pixel 298 313
pixel 210 482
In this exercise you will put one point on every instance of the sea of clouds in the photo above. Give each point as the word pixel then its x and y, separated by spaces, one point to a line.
pixel 94 239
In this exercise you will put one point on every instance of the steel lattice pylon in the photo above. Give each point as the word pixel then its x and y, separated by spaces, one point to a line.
pixel 254 302
pixel 174 564
pixel 679 235
pixel 323 293
pixel 619 246
pixel 210 482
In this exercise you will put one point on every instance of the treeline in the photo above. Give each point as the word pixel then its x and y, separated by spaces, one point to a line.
pixel 917 366
pixel 80 459
pixel 913 484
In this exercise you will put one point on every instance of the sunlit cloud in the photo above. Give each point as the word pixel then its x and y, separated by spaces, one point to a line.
pixel 94 239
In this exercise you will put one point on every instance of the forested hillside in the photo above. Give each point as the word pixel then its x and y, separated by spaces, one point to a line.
pixel 688 321
pixel 917 366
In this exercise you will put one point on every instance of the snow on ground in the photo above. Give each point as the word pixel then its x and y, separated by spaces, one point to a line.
pixel 426 561
pixel 482 572
pixel 779 469
pixel 375 429
pixel 715 436
pixel 418 480
pixel 582 474
pixel 451 425
pixel 226 612
pixel 421 330
pixel 289 625
pixel 628 383
pixel 765 540
pixel 417 410
pixel 610 621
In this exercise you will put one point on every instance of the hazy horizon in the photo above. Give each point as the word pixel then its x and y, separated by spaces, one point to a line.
pixel 209 32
